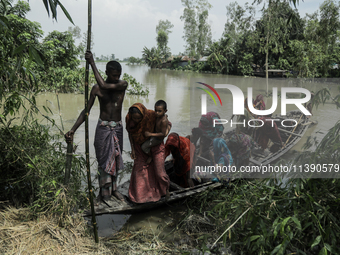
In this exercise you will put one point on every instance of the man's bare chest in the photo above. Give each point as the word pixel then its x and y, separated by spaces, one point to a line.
pixel 110 97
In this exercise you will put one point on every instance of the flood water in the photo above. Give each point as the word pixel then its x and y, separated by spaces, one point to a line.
pixel 174 88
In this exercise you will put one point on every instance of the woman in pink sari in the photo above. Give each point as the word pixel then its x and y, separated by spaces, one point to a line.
pixel 149 182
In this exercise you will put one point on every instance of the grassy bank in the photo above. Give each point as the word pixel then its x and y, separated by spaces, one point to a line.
pixel 21 232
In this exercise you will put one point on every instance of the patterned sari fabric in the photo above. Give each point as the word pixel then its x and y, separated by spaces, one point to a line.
pixel 148 181
pixel 243 144
pixel 186 150
pixel 207 125
pixel 266 132
pixel 222 158
pixel 262 105
pixel 222 154
pixel 147 124
pixel 108 144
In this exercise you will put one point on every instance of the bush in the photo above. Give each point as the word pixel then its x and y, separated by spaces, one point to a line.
pixel 135 88
pixel 32 163
pixel 245 65
pixel 66 80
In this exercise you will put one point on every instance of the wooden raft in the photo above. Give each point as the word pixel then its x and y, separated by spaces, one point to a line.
pixel 118 207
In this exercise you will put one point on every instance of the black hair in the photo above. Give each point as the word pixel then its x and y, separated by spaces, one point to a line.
pixel 196 134
pixel 197 131
pixel 161 103
pixel 133 110
pixel 114 66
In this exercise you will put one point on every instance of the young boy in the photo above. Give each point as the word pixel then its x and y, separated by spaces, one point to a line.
pixel 162 128
pixel 109 132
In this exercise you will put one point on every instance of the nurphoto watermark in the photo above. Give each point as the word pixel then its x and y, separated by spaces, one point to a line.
pixel 245 131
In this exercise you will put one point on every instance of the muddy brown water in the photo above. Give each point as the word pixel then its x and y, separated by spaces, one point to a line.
pixel 174 88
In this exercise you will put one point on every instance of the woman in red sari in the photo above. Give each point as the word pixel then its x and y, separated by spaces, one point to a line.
pixel 182 151
pixel 149 182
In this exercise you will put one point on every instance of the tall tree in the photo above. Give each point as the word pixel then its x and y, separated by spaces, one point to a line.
pixel 197 31
pixel 240 21
pixel 164 25
pixel 272 31
pixel 162 44
pixel 75 31
pixel 239 26
pixel 328 31
pixel 60 50
pixel 203 33
pixel 82 45
pixel 163 29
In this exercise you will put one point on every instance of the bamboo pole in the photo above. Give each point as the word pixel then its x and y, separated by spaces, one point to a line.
pixel 68 162
pixel 293 131
pixel 230 227
pixel 94 223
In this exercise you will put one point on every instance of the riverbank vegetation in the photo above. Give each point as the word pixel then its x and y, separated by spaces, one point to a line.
pixel 32 158
pixel 280 39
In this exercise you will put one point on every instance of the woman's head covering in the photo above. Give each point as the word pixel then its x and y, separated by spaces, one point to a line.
pixel 147 123
pixel 221 150
pixel 179 142
pixel 207 125
pixel 184 146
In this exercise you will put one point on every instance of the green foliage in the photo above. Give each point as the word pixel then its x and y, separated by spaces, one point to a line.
pixel 162 42
pixel 135 88
pixel 59 50
pixel 163 29
pixel 216 58
pixel 64 80
pixel 152 57
pixel 51 6
pixel 279 39
pixel 245 65
pixel 33 164
pixel 300 216
pixel 306 57
pixel 31 160
pixel 134 60
pixel 194 67
pixel 197 31
pixel 175 63
pixel 164 25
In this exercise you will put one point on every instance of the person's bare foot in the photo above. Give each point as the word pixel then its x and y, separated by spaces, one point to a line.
pixel 148 161
pixel 117 195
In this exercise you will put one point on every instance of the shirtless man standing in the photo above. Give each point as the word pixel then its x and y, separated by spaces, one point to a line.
pixel 109 132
